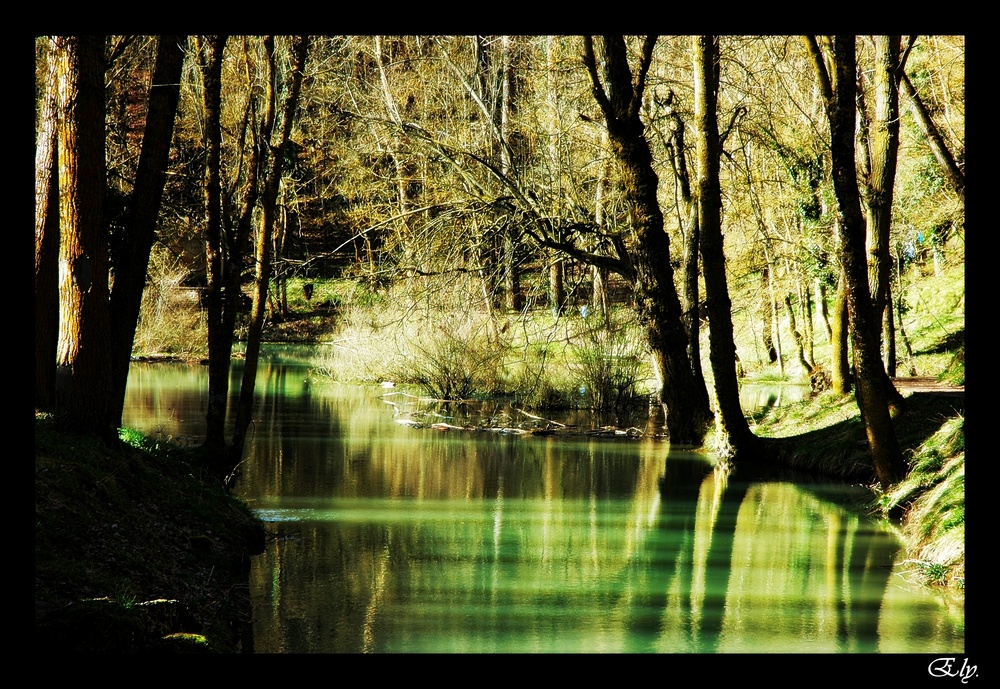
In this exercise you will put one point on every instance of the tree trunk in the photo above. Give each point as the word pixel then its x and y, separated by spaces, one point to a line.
pixel 657 303
pixel 511 238
pixel 933 137
pixel 733 435
pixel 805 298
pixel 767 314
pixel 219 343
pixel 132 259
pixel 83 358
pixel 797 337
pixel 47 238
pixel 824 309
pixel 263 246
pixel 841 361
pixel 557 296
pixel 691 231
pixel 883 145
pixel 890 338
pixel 870 375
pixel 556 266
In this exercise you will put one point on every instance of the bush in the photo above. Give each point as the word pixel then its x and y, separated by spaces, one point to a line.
pixel 171 320
pixel 457 358
pixel 609 366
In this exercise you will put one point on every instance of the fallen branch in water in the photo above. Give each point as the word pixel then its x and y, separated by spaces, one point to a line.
pixel 538 418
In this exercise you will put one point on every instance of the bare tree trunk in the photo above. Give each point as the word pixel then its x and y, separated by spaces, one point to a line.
pixel 219 342
pixel 805 299
pixel 132 259
pixel 841 362
pixel 511 239
pixel 883 144
pixel 83 359
pixel 600 276
pixel 691 231
pixel 933 137
pixel 556 268
pixel 890 338
pixel 47 238
pixel 797 336
pixel 734 438
pixel 767 314
pixel 824 309
pixel 657 303
pixel 264 236
pixel 870 376
pixel 774 319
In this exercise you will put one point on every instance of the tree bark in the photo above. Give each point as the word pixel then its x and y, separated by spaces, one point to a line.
pixel 733 435
pixel 933 137
pixel 797 336
pixel 263 245
pixel 824 308
pixel 83 358
pixel 132 260
pixel 219 343
pixel 657 303
pixel 883 145
pixel 840 355
pixel 47 238
pixel 692 243
pixel 511 235
pixel 864 329
pixel 556 264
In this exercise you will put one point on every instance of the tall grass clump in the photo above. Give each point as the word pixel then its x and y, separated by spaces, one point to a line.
pixel 449 351
pixel 170 318
pixel 609 364
pixel 456 356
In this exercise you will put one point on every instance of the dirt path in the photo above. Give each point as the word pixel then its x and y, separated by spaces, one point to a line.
pixel 926 384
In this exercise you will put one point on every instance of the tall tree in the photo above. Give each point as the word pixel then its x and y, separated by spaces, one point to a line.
pixel 47 234
pixel 933 137
pixel 219 341
pixel 130 258
pixel 511 234
pixel 83 383
pixel 557 267
pixel 276 152
pixel 879 160
pixel 691 232
pixel 840 92
pixel 734 437
pixel 619 94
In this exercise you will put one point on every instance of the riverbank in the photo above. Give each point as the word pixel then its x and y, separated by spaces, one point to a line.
pixel 137 550
pixel 824 434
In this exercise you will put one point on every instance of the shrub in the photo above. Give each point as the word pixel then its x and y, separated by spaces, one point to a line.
pixel 457 358
pixel 609 365
pixel 170 318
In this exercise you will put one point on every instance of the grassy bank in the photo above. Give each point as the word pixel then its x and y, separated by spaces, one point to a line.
pixel 136 550
pixel 824 435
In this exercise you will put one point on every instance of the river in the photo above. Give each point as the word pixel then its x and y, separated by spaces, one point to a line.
pixel 391 538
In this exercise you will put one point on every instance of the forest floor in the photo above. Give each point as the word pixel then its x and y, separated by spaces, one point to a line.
pixel 302 326
pixel 137 549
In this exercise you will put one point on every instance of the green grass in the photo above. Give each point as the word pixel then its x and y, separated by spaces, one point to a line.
pixel 932 498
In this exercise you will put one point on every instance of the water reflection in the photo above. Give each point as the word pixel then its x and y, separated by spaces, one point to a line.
pixel 393 539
